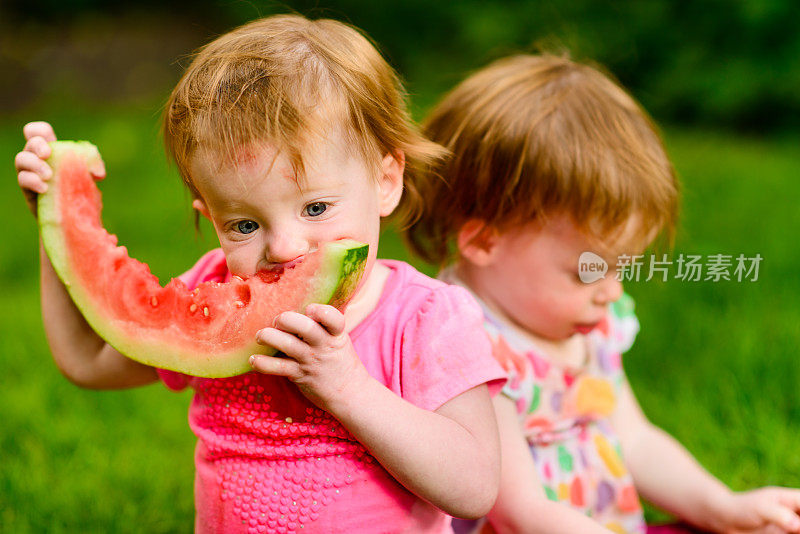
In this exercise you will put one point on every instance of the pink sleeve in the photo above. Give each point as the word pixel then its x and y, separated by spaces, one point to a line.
pixel 445 350
pixel 211 266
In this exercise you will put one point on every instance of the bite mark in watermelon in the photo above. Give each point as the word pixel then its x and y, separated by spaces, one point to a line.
pixel 208 332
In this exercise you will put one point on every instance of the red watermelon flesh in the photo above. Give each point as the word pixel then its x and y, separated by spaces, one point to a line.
pixel 207 332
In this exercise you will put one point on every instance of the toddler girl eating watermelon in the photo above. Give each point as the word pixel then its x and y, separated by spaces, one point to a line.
pixel 551 161
pixel 291 133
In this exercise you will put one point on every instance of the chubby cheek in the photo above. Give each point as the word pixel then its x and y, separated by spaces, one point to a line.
pixel 244 258
pixel 572 309
pixel 235 256
pixel 550 311
pixel 241 262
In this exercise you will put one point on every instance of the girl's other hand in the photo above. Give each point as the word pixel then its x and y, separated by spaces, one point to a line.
pixel 320 357
pixel 33 172
pixel 764 510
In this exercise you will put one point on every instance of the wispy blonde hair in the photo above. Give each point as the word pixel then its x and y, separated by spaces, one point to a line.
pixel 285 80
pixel 536 135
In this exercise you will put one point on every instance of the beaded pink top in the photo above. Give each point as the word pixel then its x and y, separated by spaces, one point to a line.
pixel 268 460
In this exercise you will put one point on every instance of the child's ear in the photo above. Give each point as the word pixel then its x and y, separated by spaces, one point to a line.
pixel 477 242
pixel 391 181
pixel 200 206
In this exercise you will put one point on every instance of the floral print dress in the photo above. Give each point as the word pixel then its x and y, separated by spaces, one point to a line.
pixel 564 412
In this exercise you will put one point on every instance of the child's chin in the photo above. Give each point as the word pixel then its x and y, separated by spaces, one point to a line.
pixel 557 336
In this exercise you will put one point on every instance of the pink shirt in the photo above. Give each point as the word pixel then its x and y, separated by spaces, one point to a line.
pixel 268 460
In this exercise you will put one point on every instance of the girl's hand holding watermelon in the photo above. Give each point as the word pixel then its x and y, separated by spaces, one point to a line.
pixel 320 357
pixel 81 355
pixel 32 169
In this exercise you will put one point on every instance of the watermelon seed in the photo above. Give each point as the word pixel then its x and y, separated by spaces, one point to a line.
pixel 193 308
pixel 153 301
pixel 205 311
pixel 239 304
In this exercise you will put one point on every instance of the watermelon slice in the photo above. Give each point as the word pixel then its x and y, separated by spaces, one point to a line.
pixel 208 332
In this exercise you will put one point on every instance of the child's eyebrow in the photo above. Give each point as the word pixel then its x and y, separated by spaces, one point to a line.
pixel 226 207
pixel 320 184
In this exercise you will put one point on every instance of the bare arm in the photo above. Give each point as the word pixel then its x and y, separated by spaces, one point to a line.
pixel 522 506
pixel 663 471
pixel 666 474
pixel 81 355
pixel 448 457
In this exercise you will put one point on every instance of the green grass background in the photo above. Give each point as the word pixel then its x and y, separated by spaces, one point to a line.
pixel 715 364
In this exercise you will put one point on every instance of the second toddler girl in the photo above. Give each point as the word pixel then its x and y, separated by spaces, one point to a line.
pixel 551 159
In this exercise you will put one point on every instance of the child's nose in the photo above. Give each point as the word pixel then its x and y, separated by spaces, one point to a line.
pixel 608 290
pixel 284 247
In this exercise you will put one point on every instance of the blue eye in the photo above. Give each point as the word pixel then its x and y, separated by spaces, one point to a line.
pixel 246 227
pixel 315 209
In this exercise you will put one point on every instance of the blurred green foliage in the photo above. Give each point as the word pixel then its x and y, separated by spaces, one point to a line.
pixel 726 63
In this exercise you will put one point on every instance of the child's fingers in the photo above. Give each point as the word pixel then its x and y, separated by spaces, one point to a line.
pixel 780 515
pixel 284 342
pixel 39 128
pixel 30 162
pixel 31 186
pixel 31 182
pixel 329 317
pixel 302 326
pixel 791 498
pixel 272 365
pixel 39 146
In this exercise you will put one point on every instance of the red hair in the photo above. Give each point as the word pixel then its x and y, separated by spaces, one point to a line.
pixel 286 79
pixel 538 135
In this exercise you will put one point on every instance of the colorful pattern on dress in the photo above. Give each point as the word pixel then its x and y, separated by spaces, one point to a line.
pixel 564 412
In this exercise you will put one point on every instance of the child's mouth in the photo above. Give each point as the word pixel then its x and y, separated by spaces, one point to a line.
pixel 272 273
pixel 586 327
pixel 280 267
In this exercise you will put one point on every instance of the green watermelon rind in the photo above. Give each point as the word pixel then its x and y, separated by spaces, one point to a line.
pixel 48 211
pixel 341 267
